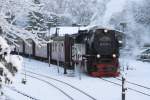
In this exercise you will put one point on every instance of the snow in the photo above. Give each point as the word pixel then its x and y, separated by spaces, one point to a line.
pixel 113 7
pixel 100 12
pixel 3 45
pixel 96 87
pixel 65 30
pixel 73 30
pixel 16 60
pixel 8 62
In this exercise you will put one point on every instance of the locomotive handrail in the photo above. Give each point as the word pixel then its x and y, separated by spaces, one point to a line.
pixel 89 55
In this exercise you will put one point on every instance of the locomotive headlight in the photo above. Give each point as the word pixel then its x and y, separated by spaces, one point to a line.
pixel 98 55
pixel 105 31
pixel 114 55
pixel 120 42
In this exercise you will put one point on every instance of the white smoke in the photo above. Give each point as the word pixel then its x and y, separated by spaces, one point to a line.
pixel 123 11
pixel 111 8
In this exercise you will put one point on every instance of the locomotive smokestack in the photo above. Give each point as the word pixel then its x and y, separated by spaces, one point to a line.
pixel 57 31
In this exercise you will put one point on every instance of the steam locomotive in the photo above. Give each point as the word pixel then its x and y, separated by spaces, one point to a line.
pixel 97 50
pixel 102 51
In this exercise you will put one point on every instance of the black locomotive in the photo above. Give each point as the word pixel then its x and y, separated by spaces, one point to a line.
pixel 102 51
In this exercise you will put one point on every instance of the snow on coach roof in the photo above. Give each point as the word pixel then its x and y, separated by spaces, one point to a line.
pixel 94 27
pixel 73 30
pixel 65 30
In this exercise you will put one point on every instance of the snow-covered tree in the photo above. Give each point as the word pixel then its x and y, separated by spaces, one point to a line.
pixel 141 13
pixel 13 15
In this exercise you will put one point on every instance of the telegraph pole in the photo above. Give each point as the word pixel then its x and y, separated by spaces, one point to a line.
pixel 123 27
pixel 123 88
pixel 49 55
pixel 24 80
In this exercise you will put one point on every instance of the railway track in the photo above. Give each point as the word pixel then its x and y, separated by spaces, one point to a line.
pixel 20 92
pixel 47 82
pixel 139 85
pixel 129 88
pixel 37 75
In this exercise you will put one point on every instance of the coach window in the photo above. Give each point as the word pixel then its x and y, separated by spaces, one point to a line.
pixel 57 46
pixel 53 47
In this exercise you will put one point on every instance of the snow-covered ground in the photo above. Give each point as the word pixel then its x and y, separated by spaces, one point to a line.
pixel 97 88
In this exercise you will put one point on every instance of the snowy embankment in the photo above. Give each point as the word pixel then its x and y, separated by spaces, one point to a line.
pixel 97 88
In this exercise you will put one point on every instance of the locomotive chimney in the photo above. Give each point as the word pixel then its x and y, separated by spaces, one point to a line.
pixel 123 26
pixel 57 31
